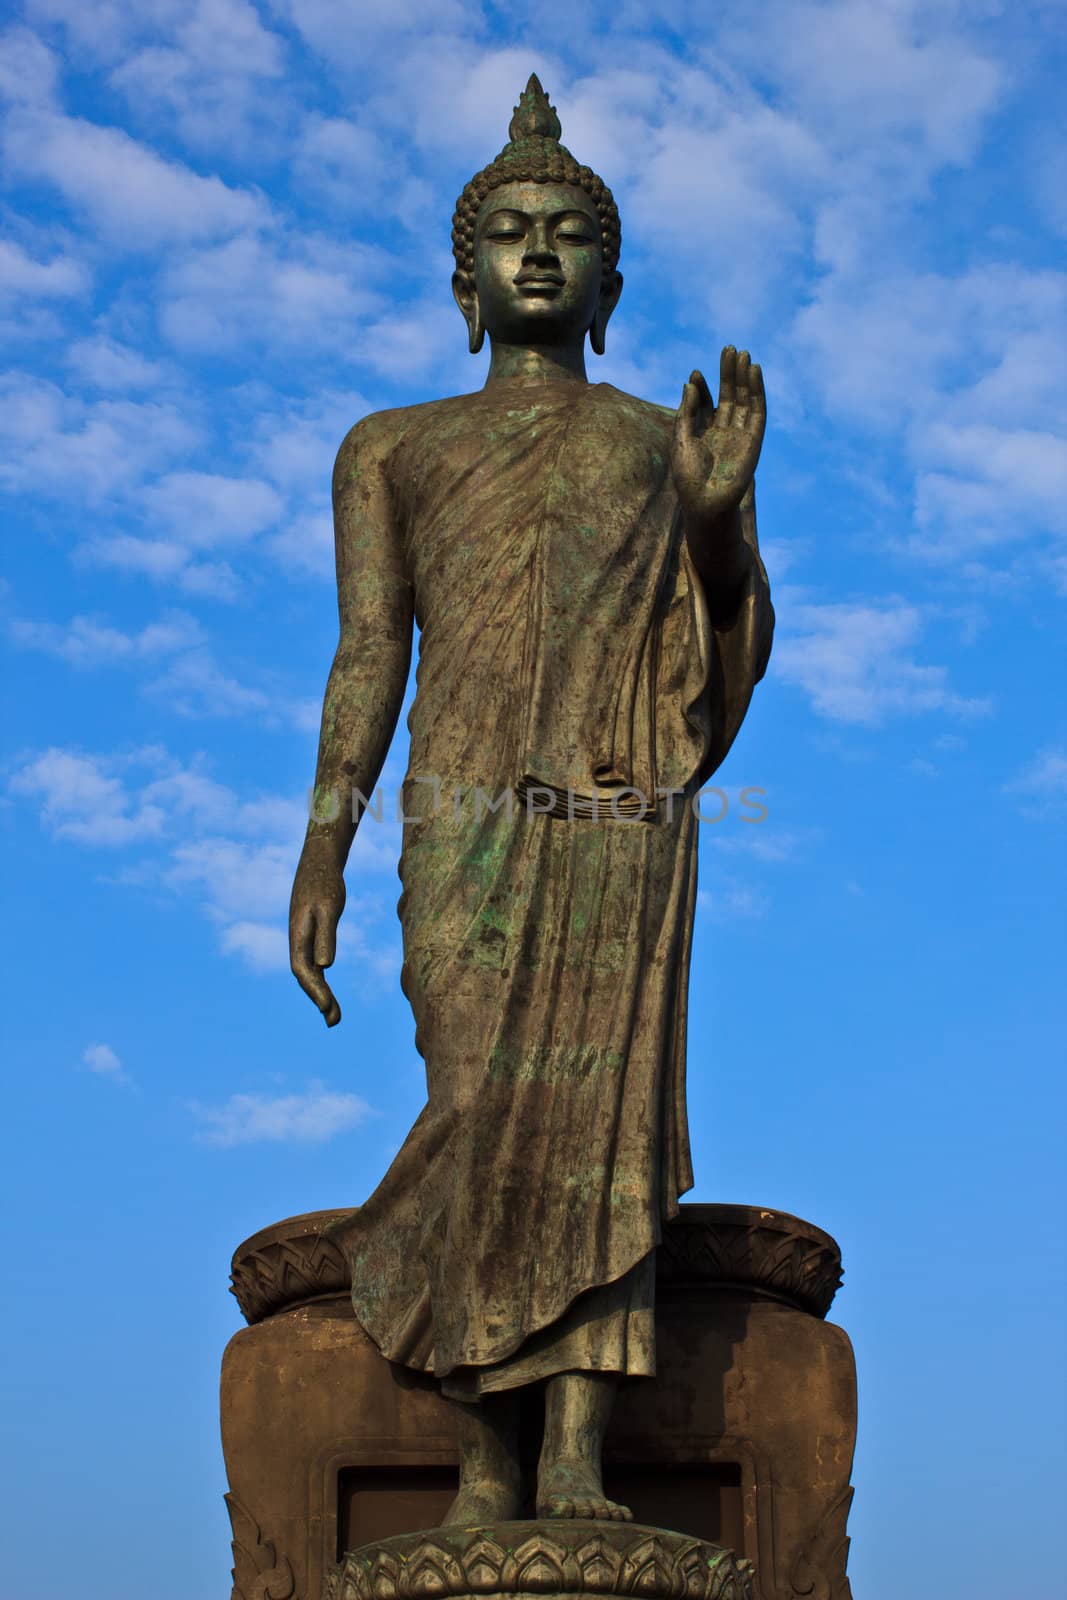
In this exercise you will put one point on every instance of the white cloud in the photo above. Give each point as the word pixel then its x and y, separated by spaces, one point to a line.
pixel 90 452
pixel 29 71
pixel 131 194
pixel 733 901
pixel 883 81
pixel 994 485
pixel 66 448
pixel 856 661
pixel 890 347
pixel 263 946
pixel 22 276
pixel 216 75
pixel 202 509
pixel 194 685
pixel 82 800
pixel 413 338
pixel 727 184
pixel 176 797
pixel 348 166
pixel 306 544
pixel 762 841
pixel 961 374
pixel 376 32
pixel 238 881
pixel 89 641
pixel 307 291
pixel 1042 784
pixel 162 561
pixel 187 678
pixel 309 1118
pixel 295 447
pixel 107 364
pixel 236 857
pixel 107 27
pixel 101 1059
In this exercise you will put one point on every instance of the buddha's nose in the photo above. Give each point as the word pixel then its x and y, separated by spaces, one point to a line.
pixel 538 246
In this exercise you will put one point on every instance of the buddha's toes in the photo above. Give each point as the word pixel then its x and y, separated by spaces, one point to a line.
pixel 574 1489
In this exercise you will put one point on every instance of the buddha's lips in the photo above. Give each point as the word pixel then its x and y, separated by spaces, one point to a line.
pixel 542 278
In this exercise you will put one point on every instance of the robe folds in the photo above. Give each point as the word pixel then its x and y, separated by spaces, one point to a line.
pixel 566 661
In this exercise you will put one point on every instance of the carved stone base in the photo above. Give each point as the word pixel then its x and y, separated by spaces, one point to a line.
pixel 564 1559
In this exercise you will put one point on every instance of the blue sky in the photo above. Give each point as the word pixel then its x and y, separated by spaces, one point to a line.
pixel 226 237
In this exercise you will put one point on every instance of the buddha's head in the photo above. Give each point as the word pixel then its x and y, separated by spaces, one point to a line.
pixel 536 239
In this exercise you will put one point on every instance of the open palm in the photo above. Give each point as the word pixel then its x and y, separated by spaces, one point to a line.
pixel 715 448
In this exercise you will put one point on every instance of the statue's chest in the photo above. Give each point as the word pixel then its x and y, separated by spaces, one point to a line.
pixel 483 487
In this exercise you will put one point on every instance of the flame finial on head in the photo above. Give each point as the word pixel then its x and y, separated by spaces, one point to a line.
pixel 534 117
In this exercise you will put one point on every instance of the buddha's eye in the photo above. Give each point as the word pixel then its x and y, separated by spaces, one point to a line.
pixel 504 227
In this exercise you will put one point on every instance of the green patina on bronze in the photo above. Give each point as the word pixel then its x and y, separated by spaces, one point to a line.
pixel 583 567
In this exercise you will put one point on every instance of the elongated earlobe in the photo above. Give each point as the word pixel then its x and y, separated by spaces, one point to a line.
pixel 466 299
pixel 609 299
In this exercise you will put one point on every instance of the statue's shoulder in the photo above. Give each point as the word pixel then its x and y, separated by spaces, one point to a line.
pixel 377 435
pixel 640 414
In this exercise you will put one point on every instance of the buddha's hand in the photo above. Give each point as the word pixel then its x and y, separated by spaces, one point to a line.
pixel 715 448
pixel 315 908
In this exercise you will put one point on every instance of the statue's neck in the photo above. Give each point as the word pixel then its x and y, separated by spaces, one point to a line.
pixel 537 363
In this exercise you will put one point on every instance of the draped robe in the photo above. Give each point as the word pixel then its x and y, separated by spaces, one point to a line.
pixel 566 659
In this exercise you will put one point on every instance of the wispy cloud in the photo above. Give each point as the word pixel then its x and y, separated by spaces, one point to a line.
pixel 101 1059
pixel 83 801
pixel 125 189
pixel 204 509
pixel 194 836
pixel 1041 787
pixel 732 900
pixel 313 1117
pixel 59 278
pixel 162 561
pixel 857 662
pixel 216 77
pixel 299 292
pixel 92 641
pixel 184 675
pixel 112 366
pixel 62 447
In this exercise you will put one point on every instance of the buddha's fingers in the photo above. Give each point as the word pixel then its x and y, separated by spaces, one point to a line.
pixel 727 391
pixel 757 393
pixel 307 971
pixel 740 416
pixel 757 413
pixel 316 988
pixel 687 411
pixel 700 383
pixel 325 940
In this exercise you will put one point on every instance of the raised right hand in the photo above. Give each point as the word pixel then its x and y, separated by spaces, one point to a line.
pixel 715 448
pixel 315 908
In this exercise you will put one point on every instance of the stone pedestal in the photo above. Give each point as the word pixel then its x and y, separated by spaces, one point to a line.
pixel 744 1440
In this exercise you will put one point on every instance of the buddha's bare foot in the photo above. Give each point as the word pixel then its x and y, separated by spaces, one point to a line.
pixel 483 1501
pixel 574 1489
pixel 490 1482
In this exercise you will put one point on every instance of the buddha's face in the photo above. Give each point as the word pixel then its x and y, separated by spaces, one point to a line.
pixel 538 269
